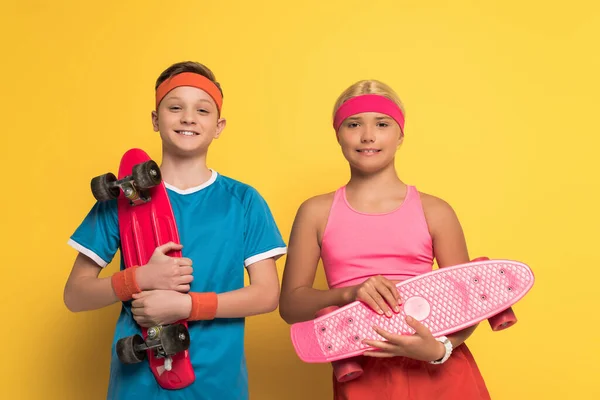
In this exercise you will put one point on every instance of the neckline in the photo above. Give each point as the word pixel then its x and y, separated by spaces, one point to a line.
pixel 406 198
pixel 210 181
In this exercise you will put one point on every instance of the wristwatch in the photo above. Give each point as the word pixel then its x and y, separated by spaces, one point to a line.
pixel 448 346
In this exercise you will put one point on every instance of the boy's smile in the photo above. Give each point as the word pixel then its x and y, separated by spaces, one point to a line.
pixel 187 133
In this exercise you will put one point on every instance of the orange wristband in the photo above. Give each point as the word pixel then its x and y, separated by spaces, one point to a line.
pixel 204 306
pixel 124 283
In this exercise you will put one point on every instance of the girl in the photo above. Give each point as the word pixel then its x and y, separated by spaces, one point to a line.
pixel 370 234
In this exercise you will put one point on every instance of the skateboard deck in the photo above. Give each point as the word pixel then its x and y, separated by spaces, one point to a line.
pixel 146 221
pixel 445 301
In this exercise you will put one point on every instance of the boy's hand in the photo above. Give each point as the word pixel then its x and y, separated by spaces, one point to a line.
pixel 164 272
pixel 160 307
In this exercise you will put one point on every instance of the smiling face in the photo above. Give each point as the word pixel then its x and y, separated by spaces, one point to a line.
pixel 369 141
pixel 188 121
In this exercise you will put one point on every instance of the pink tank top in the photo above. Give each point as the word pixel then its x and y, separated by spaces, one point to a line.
pixel 357 245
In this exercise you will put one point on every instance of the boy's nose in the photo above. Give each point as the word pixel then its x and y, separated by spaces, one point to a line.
pixel 187 119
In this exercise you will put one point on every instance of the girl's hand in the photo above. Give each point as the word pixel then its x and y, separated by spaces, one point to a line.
pixel 379 293
pixel 420 346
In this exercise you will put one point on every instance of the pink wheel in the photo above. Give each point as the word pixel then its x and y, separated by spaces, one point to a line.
pixel 344 370
pixel 480 259
pixel 503 320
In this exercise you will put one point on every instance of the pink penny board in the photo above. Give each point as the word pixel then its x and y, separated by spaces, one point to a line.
pixel 144 227
pixel 445 300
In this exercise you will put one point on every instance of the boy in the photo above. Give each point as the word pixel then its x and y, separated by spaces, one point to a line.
pixel 224 226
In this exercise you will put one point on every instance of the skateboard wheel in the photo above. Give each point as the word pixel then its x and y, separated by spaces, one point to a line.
pixel 503 320
pixel 146 175
pixel 346 370
pixel 127 352
pixel 101 188
pixel 174 339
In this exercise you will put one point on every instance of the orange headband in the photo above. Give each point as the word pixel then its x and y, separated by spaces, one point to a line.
pixel 189 79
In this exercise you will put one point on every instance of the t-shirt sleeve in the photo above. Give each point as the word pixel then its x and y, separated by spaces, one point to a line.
pixel 98 235
pixel 262 238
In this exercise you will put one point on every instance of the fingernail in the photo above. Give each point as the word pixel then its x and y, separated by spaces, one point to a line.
pixel 409 319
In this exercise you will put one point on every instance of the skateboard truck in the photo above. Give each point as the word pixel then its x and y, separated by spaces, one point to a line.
pixel 135 187
pixel 164 341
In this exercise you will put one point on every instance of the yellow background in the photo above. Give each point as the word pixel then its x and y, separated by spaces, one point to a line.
pixel 502 104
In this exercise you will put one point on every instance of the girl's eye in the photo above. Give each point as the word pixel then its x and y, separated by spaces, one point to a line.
pixel 383 124
pixel 352 125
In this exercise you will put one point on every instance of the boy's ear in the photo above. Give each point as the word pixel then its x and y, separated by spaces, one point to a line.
pixel 155 121
pixel 221 123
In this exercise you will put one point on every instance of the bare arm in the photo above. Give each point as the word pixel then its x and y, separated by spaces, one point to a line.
pixel 161 307
pixel 84 290
pixel 299 301
pixel 259 297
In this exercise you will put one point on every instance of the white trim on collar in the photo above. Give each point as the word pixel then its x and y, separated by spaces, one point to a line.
pixel 210 181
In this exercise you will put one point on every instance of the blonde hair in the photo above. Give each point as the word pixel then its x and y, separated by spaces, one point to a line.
pixel 370 86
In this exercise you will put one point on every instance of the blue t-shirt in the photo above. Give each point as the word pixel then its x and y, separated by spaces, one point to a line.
pixel 224 226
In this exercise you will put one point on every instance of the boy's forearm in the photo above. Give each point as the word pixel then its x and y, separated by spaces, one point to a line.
pixel 301 304
pixel 89 293
pixel 240 303
pixel 247 301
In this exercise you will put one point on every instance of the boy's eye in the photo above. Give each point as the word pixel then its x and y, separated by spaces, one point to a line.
pixel 383 124
pixel 202 110
pixel 174 108
pixel 352 125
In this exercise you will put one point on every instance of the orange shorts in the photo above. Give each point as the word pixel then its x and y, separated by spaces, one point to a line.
pixel 402 378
